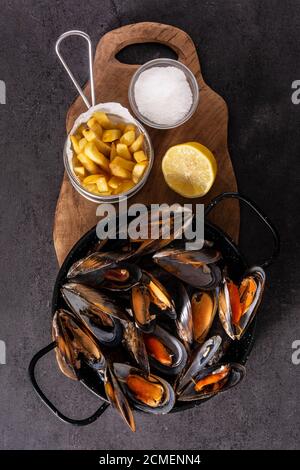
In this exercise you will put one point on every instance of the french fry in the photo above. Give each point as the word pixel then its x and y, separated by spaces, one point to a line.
pixel 119 171
pixel 89 134
pixel 113 151
pixel 88 164
pixel 140 156
pixel 82 143
pixel 110 135
pixel 128 138
pixel 92 179
pixel 81 129
pixel 75 144
pixel 137 144
pixel 114 182
pixel 92 188
pixel 127 164
pixel 102 185
pixel 95 126
pixel 129 127
pixel 138 171
pixel 103 120
pixel 102 147
pixel 91 122
pixel 125 186
pixel 123 151
pixel 93 153
pixel 79 171
pixel 78 136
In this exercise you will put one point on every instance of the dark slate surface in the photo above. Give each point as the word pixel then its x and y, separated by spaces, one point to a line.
pixel 249 53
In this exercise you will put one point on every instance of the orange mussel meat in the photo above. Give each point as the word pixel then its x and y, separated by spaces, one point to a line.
pixel 241 297
pixel 146 391
pixel 157 350
pixel 212 380
pixel 117 274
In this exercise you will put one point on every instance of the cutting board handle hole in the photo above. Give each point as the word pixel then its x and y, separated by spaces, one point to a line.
pixel 141 53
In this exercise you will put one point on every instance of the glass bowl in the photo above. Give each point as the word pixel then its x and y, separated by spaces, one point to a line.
pixel 164 63
pixel 76 183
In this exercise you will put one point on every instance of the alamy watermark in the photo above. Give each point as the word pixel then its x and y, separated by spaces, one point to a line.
pixel 140 222
pixel 296 352
pixel 2 352
pixel 2 92
pixel 295 96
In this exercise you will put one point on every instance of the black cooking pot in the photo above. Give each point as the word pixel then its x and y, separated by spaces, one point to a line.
pixel 235 262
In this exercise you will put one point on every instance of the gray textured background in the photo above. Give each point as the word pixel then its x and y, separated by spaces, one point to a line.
pixel 249 53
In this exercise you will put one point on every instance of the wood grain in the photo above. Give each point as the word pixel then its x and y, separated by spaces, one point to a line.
pixel 74 214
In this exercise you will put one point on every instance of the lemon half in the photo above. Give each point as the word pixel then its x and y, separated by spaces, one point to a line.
pixel 189 169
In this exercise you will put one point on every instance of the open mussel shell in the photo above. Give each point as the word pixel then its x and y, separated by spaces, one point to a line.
pixel 195 267
pixel 121 277
pixel 117 397
pixel 184 319
pixel 150 298
pixel 249 294
pixel 93 380
pixel 134 342
pixel 201 357
pixel 159 296
pixel 76 344
pixel 204 306
pixel 257 275
pixel 148 393
pixel 140 302
pixel 94 268
pixel 161 226
pixel 63 365
pixel 212 380
pixel 167 354
pixel 91 268
pixel 100 312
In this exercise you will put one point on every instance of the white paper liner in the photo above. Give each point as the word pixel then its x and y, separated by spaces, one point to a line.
pixel 109 108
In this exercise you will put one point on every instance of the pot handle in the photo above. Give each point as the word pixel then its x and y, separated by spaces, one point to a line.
pixel 48 403
pixel 259 213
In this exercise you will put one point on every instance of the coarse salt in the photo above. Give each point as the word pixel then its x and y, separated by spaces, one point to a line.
pixel 163 95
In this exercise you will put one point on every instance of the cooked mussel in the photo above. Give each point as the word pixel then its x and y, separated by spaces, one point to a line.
pixel 164 226
pixel 204 307
pixel 149 298
pixel 140 302
pixel 92 267
pixel 211 380
pixel 166 353
pixel 75 342
pixel 159 296
pixel 202 356
pixel 195 267
pixel 78 353
pixel 105 267
pixel 101 312
pixel 238 303
pixel 117 398
pixel 148 393
pixel 134 342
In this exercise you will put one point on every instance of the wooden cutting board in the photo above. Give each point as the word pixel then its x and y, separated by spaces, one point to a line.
pixel 74 214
